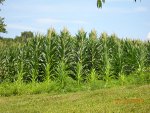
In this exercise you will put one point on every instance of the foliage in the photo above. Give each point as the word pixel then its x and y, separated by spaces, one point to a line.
pixel 2 25
pixel 24 36
pixel 77 60
pixel 27 34
pixel 100 3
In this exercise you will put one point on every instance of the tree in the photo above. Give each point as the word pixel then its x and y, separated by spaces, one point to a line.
pixel 2 25
pixel 27 34
pixel 24 36
pixel 100 3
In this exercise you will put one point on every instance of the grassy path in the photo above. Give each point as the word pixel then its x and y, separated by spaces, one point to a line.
pixel 131 99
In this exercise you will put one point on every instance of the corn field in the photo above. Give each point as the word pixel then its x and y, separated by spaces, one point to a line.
pixel 83 57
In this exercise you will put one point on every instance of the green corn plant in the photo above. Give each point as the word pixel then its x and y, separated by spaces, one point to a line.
pixel 147 44
pixel 3 67
pixel 47 73
pixel 49 48
pixel 93 35
pixel 3 55
pixel 120 65
pixel 51 33
pixel 117 56
pixel 27 61
pixel 120 60
pixel 57 57
pixel 106 59
pixel 79 55
pixel 129 56
pixel 122 79
pixel 64 54
pixel 10 64
pixel 92 51
pixel 34 52
pixel 65 47
pixel 20 71
pixel 79 73
pixel 20 66
pixel 147 63
pixel 8 60
pixel 92 77
pixel 141 53
pixel 62 74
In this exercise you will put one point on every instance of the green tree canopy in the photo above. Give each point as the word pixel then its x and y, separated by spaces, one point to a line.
pixel 1 1
pixel 24 36
pixel 2 25
pixel 27 34
pixel 100 3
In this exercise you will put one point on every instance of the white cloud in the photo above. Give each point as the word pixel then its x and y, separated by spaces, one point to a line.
pixel 48 21
pixel 63 7
pixel 148 36
pixel 21 27
pixel 57 21
pixel 78 22
pixel 118 0
pixel 124 10
pixel 140 9
pixel 148 24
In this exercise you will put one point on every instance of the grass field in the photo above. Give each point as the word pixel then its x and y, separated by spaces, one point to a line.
pixel 129 99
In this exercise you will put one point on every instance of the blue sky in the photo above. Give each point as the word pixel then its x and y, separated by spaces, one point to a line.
pixel 122 17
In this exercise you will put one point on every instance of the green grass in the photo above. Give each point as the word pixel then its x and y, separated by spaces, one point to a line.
pixel 123 99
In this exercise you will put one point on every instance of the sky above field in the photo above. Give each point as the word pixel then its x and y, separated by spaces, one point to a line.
pixel 122 17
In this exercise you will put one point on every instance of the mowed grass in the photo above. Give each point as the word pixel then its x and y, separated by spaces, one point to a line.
pixel 129 99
